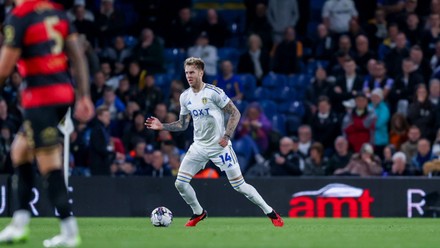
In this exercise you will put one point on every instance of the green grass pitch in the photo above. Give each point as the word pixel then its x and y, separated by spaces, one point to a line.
pixel 246 232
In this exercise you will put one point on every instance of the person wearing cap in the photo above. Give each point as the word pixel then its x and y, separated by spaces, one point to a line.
pixel 202 49
pixel 381 136
pixel 359 124
pixel 365 163
pixel 286 162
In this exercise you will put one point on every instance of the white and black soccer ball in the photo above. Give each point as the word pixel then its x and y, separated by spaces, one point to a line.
pixel 161 217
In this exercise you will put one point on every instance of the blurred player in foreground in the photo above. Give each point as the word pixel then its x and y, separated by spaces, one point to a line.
pixel 206 104
pixel 38 35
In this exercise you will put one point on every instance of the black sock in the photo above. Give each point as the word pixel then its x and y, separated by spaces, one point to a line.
pixel 272 215
pixel 22 184
pixel 58 193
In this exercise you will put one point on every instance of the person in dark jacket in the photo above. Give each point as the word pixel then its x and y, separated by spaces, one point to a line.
pixel 288 54
pixel 101 149
pixel 325 125
pixel 256 60
pixel 285 162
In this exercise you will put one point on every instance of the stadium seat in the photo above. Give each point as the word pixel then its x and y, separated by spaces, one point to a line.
pixel 163 81
pixel 269 107
pixel 241 105
pixel 292 124
pixel 279 123
pixel 243 148
pixel 249 85
pixel 261 94
pixel 174 59
pixel 285 94
pixel 273 80
pixel 295 108
pixel 229 53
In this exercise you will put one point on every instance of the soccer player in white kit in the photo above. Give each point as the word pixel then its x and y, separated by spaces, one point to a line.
pixel 206 104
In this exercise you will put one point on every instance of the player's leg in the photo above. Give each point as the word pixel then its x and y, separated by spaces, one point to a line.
pixel 192 163
pixel 228 162
pixel 23 181
pixel 49 158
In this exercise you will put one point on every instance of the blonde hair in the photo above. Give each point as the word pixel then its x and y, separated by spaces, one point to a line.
pixel 197 62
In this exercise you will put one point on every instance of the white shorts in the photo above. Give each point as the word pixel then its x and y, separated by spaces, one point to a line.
pixel 197 157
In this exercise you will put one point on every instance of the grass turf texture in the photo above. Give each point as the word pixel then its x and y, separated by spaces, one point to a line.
pixel 246 232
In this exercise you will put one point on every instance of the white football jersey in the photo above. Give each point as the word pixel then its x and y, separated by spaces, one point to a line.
pixel 206 111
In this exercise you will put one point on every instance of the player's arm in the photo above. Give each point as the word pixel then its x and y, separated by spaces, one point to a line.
pixel 180 125
pixel 234 118
pixel 76 55
pixel 8 58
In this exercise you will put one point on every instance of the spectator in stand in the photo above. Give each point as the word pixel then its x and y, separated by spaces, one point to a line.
pixel 6 118
pixel 83 20
pixel 431 35
pixel 316 163
pixel 150 95
pixel 160 111
pixel 101 147
pixel 88 15
pixel 422 66
pixel 285 162
pixel 97 88
pixel 405 84
pixel 358 126
pixel 149 52
pixel 390 41
pixel 341 157
pixel 379 79
pixel 288 53
pixel 305 139
pixel 398 130
pixel 136 76
pixel 423 155
pixel 118 53
pixel 434 92
pixel 410 146
pixel 413 29
pixel 174 101
pixel 323 46
pixel 256 60
pixel 347 86
pixel 387 158
pixel 382 113
pixel 345 45
pixel 202 49
pixel 337 15
pixel 335 67
pixel 215 28
pixel 435 61
pixel 320 86
pixel 399 166
pixel 261 26
pixel 142 158
pixel 363 54
pixel 228 82
pixel 281 15
pixel 136 131
pixel 421 112
pixel 402 16
pixel 110 22
pixel 255 124
pixel 80 149
pixel 377 29
pixel 436 145
pixel 159 167
pixel 113 103
pixel 355 30
pixel 6 138
pixel 184 30
pixel 393 59
pixel 11 91
pixel 325 125
pixel 124 92
pixel 365 163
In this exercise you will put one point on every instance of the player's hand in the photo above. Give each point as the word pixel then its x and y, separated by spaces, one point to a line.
pixel 84 109
pixel 153 123
pixel 224 141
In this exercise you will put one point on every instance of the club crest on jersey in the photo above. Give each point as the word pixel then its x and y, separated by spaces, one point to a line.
pixel 204 100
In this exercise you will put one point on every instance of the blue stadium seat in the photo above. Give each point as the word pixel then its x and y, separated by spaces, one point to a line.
pixel 244 151
pixel 286 94
pixel 295 108
pixel 279 123
pixel 273 80
pixel 262 94
pixel 163 81
pixel 174 59
pixel 299 81
pixel 249 85
pixel 241 105
pixel 292 124
pixel 229 53
pixel 269 107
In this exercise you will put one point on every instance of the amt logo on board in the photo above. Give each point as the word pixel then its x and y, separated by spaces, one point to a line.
pixel 331 201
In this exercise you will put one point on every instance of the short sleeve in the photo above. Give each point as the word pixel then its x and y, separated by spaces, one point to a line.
pixel 183 109
pixel 220 98
pixel 14 30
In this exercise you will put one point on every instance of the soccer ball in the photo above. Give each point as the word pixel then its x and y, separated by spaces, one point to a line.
pixel 161 217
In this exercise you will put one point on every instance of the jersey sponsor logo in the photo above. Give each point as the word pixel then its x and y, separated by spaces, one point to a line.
pixel 9 32
pixel 200 112
pixel 204 100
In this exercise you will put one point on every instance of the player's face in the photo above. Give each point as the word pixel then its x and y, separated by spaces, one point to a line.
pixel 193 75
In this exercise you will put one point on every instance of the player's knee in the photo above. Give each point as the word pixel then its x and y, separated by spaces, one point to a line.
pixel 180 186
pixel 241 188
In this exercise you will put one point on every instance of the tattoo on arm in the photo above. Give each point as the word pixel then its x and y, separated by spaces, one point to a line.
pixel 180 125
pixel 234 118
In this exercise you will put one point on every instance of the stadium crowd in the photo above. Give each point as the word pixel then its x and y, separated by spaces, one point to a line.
pixel 325 87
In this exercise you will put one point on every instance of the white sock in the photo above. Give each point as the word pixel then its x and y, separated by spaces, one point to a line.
pixel 69 227
pixel 188 194
pixel 21 218
pixel 251 193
